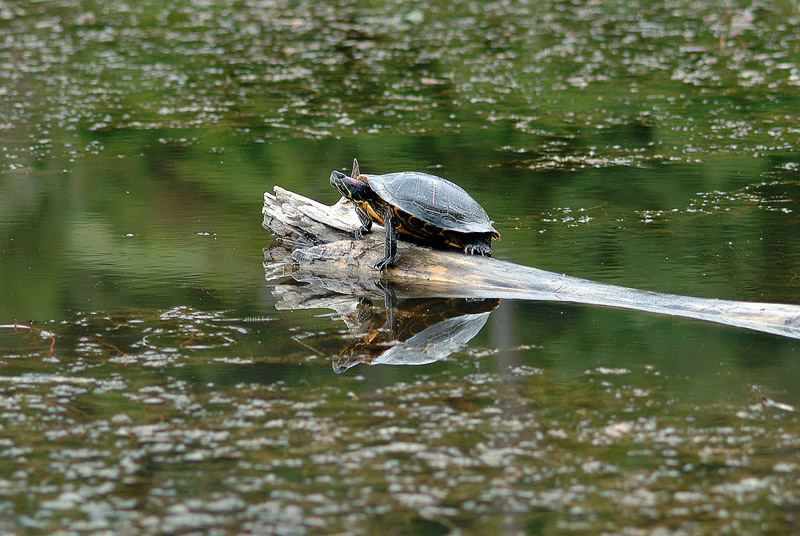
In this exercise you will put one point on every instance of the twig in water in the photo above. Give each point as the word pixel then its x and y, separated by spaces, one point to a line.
pixel 17 326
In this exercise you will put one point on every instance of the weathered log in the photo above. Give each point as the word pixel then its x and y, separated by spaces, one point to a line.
pixel 320 237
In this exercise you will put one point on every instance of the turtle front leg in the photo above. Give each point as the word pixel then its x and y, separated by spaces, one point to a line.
pixel 366 223
pixel 390 250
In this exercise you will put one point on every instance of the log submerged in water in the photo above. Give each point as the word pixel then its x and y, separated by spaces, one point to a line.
pixel 322 246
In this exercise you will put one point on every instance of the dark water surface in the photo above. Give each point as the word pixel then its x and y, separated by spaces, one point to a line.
pixel 156 383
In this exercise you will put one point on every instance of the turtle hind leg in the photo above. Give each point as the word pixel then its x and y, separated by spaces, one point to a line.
pixel 390 249
pixel 478 245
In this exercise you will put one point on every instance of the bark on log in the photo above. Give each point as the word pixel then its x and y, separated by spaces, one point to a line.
pixel 322 248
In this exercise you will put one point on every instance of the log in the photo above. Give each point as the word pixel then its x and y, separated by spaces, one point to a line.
pixel 317 244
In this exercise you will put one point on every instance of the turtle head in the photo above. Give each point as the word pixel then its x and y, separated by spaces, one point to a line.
pixel 355 187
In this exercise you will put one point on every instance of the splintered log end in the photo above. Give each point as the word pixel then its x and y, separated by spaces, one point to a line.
pixel 287 213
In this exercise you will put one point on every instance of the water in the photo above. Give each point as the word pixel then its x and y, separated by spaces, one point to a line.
pixel 157 383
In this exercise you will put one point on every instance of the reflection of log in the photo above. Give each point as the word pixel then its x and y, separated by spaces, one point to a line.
pixel 322 240
pixel 414 331
pixel 420 331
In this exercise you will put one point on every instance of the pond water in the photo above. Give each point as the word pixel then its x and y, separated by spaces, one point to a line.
pixel 153 381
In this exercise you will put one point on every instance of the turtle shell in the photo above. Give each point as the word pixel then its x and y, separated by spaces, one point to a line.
pixel 433 200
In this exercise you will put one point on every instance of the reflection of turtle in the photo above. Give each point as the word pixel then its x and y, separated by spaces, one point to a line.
pixel 418 206
pixel 420 331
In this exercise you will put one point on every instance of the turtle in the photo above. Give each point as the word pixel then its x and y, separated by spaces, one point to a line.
pixel 417 206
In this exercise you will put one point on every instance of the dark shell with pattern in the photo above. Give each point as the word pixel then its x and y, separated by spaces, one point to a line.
pixel 432 200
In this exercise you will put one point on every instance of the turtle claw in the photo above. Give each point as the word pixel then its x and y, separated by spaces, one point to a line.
pixel 478 249
pixel 385 262
pixel 382 265
pixel 359 233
